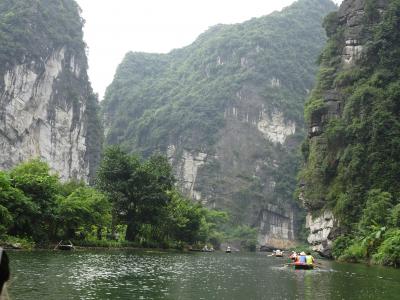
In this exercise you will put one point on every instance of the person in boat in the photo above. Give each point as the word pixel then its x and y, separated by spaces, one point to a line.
pixel 293 256
pixel 302 258
pixel 205 248
pixel 4 273
pixel 309 259
pixel 228 249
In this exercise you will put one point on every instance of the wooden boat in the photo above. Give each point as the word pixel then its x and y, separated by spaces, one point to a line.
pixel 302 266
pixel 62 246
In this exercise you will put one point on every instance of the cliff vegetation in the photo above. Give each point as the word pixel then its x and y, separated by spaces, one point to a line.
pixel 228 109
pixel 160 99
pixel 353 153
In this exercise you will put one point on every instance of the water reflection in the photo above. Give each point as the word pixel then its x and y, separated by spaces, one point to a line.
pixel 157 275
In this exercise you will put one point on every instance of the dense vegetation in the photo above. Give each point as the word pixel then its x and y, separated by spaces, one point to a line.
pixel 179 98
pixel 134 203
pixel 353 167
pixel 183 98
pixel 31 30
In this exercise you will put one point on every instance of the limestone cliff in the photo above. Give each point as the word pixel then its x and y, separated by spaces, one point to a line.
pixel 331 189
pixel 47 108
pixel 227 111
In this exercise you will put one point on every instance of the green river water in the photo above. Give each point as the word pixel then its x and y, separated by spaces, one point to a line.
pixel 164 275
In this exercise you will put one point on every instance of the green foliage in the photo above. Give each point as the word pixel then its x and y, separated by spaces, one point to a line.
pixel 23 243
pixel 353 165
pixel 138 206
pixel 340 245
pixel 96 243
pixel 179 98
pixel 35 205
pixel 31 30
pixel 246 235
pixel 354 253
pixel 376 209
pixel 84 207
pixel 34 180
pixel 331 23
pixel 394 218
pixel 389 251
pixel 5 220
pixel 138 190
pixel 183 219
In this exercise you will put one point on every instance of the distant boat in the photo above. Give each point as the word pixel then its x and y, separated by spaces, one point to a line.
pixel 228 250
pixel 62 246
pixel 278 253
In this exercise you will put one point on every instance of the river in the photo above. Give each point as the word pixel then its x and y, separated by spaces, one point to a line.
pixel 164 275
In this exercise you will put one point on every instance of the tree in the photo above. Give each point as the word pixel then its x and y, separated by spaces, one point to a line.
pixel 184 219
pixel 34 180
pixel 83 208
pixel 16 210
pixel 138 190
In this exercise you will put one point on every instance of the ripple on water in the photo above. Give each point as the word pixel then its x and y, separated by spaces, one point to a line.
pixel 140 275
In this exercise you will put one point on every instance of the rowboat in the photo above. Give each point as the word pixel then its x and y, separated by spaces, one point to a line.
pixel 62 246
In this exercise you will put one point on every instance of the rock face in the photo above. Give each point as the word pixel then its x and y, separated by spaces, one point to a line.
pixel 322 232
pixel 47 109
pixel 352 16
pixel 227 111
pixel 277 227
pixel 353 21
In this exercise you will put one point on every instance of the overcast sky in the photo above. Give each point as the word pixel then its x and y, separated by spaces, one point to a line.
pixel 114 27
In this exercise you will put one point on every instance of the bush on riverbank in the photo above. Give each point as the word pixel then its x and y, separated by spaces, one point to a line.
pixel 134 204
pixel 389 251
pixel 377 237
pixel 7 241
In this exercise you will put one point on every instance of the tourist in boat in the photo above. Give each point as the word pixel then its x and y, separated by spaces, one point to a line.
pixel 228 249
pixel 293 256
pixel 309 259
pixel 4 273
pixel 302 258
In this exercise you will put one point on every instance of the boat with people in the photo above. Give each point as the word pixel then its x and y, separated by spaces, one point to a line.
pixel 206 249
pixel 302 261
pixel 63 246
pixel 277 253
pixel 228 250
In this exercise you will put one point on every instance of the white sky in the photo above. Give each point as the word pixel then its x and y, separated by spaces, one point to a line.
pixel 114 27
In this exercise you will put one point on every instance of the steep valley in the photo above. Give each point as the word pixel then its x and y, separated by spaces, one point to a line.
pixel 227 110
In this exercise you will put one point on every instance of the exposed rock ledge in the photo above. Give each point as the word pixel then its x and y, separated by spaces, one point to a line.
pixel 38 118
pixel 321 232
pixel 276 227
